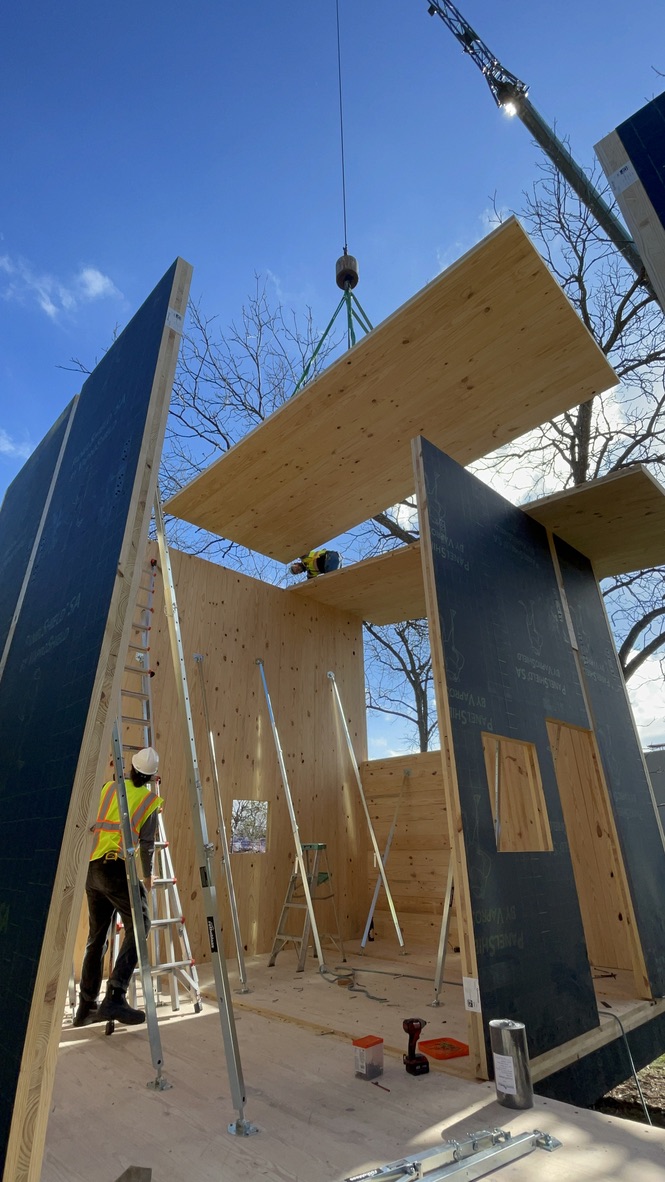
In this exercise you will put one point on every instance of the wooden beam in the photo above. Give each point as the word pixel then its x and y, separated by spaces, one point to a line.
pixel 490 349
pixel 477 1050
pixel 617 522
pixel 632 1016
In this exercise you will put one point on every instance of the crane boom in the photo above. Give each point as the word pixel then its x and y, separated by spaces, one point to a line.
pixel 512 94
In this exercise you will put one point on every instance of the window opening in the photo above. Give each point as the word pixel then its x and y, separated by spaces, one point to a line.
pixel 249 826
pixel 521 824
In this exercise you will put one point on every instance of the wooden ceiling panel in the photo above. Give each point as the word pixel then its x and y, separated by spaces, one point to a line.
pixel 488 350
pixel 383 590
pixel 617 521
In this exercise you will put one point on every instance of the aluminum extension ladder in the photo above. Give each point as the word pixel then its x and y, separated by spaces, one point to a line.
pixel 240 1127
pixel 319 877
pixel 171 962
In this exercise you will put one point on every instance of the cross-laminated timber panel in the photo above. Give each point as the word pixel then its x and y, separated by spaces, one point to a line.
pixel 617 522
pixel 499 594
pixel 633 160
pixel 407 791
pixel 58 690
pixel 488 350
pixel 231 620
pixel 382 590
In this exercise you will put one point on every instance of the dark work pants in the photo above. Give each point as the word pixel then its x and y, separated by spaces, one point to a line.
pixel 107 891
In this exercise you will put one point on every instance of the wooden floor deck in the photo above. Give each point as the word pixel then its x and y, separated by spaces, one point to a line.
pixel 317 1122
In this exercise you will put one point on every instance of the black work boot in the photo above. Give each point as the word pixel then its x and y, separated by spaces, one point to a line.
pixel 115 1008
pixel 86 1013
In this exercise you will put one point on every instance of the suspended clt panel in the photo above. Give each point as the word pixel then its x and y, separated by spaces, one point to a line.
pixel 618 522
pixel 488 350
pixel 633 161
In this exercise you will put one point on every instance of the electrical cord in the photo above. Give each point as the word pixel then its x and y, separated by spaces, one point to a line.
pixel 340 973
pixel 347 974
pixel 610 1014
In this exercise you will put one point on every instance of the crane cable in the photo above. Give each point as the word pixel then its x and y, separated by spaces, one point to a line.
pixel 341 125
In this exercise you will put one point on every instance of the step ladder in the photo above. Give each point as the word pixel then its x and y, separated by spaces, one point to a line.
pixel 319 880
pixel 172 965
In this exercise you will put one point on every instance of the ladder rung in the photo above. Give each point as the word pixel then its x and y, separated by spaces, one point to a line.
pixel 161 923
pixel 139 648
pixel 135 721
pixel 169 966
pixel 136 694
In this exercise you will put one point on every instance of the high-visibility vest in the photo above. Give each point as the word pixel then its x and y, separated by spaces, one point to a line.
pixel 108 830
pixel 309 563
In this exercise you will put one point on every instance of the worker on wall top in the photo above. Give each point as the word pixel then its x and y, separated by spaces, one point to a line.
pixel 107 891
pixel 317 562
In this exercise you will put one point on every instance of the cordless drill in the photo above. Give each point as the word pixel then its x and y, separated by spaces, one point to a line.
pixel 415 1063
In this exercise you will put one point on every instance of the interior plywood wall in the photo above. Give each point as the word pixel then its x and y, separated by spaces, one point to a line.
pixel 417 865
pixel 232 620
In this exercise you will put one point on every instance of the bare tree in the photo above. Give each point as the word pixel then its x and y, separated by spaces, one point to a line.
pixel 227 382
pixel 399 659
pixel 612 431
pixel 608 433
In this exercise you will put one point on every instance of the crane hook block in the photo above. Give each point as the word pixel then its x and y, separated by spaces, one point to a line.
pixel 346 272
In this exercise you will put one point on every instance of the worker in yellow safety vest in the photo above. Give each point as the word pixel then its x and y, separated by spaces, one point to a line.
pixel 317 562
pixel 107 891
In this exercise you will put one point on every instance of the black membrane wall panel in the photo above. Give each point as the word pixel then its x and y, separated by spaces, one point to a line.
pixel 46 689
pixel 655 761
pixel 643 137
pixel 628 785
pixel 20 515
pixel 596 1074
pixel 509 666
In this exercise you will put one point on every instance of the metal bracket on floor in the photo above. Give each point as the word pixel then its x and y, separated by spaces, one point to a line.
pixel 473 1157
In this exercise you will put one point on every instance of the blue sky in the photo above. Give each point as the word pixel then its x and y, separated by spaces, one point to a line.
pixel 139 131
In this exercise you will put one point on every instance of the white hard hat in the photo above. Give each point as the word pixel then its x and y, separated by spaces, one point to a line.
pixel 146 761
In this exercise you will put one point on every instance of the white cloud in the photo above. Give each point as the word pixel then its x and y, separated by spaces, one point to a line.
pixel 406 516
pixel 9 447
pixel 92 284
pixel 488 221
pixel 492 217
pixel 646 691
pixel 24 285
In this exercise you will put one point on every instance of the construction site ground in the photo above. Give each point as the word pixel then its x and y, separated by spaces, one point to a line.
pixel 624 1100
pixel 317 1121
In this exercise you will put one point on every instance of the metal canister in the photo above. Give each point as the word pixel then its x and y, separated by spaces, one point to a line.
pixel 512 1075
